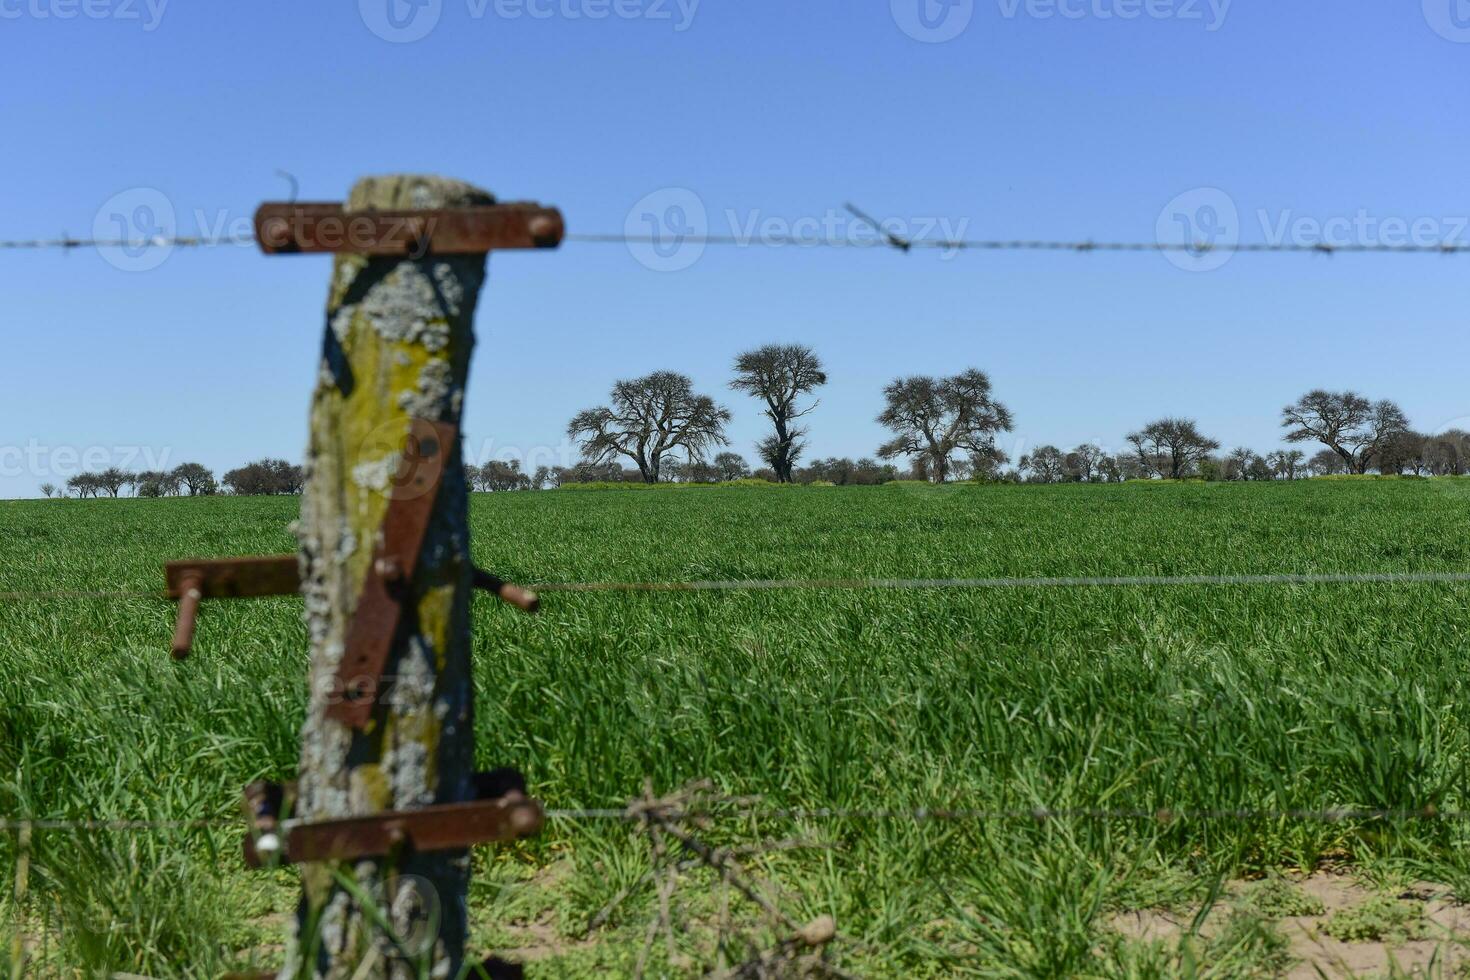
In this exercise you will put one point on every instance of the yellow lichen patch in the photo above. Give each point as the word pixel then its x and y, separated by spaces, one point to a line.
pixel 421 727
pixel 370 787
pixel 435 609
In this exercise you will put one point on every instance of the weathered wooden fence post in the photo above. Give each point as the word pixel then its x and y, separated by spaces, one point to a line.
pixel 387 801
pixel 395 362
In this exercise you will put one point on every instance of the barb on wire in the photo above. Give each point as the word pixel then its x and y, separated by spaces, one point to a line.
pixel 902 244
pixel 675 849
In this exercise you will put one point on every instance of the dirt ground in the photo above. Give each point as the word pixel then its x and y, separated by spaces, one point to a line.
pixel 1442 948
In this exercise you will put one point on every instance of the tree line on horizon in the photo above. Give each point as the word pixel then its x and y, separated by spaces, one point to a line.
pixel 265 477
pixel 943 428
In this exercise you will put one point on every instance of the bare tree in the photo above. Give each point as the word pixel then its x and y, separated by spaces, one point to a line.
pixel 1448 454
pixel 779 374
pixel 935 418
pixel 195 478
pixel 84 485
pixel 49 489
pixel 1326 463
pixel 985 465
pixel 1402 451
pixel 1171 447
pixel 157 483
pixel 113 480
pixel 731 466
pixel 1081 464
pixel 1286 463
pixel 1044 464
pixel 650 420
pixel 266 477
pixel 497 476
pixel 1346 423
pixel 1238 463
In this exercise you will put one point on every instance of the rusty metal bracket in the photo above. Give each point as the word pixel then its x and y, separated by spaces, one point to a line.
pixel 503 812
pixel 196 579
pixel 379 612
pixel 224 578
pixel 523 599
pixel 296 228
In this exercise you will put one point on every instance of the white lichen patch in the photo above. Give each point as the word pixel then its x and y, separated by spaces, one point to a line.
pixel 346 544
pixel 435 385
pixel 345 275
pixel 376 474
pixel 324 746
pixel 342 323
pixel 407 759
pixel 451 289
pixel 398 308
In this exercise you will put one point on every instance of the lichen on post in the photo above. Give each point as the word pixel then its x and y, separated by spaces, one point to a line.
pixel 397 349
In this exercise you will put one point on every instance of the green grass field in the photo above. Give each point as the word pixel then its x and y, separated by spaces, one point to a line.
pixel 1184 697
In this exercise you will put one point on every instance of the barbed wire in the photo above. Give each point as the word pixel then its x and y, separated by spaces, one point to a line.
pixel 156 241
pixel 103 826
pixel 80 594
pixel 858 584
pixel 1161 815
pixel 1117 581
pixel 797 241
pixel 1023 245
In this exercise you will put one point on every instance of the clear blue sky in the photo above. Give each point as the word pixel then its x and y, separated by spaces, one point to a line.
pixel 1066 119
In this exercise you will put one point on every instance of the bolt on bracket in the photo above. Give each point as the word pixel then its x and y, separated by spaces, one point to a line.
pixel 502 812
